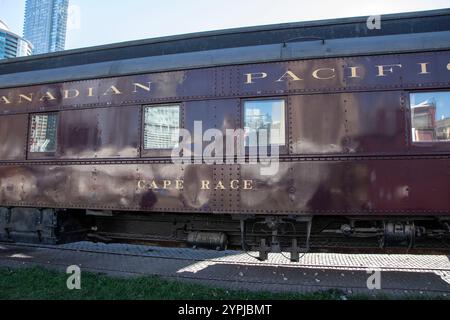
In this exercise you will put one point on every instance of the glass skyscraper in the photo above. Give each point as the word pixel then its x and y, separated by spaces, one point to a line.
pixel 45 24
pixel 11 45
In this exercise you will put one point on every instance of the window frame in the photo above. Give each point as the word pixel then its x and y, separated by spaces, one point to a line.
pixel 158 153
pixel 283 149
pixel 42 155
pixel 410 119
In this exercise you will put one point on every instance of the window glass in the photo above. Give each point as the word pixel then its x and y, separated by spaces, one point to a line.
pixel 430 116
pixel 161 127
pixel 43 132
pixel 268 115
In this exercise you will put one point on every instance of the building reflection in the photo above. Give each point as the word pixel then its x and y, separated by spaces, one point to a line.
pixel 431 117
pixel 443 129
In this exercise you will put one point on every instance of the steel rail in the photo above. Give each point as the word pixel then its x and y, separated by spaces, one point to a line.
pixel 221 260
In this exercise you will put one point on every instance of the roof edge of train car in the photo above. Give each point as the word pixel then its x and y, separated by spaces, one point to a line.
pixel 404 32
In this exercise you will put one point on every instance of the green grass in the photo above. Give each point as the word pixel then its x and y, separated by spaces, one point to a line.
pixel 42 284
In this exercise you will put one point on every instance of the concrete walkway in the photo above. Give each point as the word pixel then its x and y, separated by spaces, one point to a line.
pixel 399 274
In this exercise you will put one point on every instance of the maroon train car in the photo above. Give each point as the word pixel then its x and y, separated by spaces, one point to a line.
pixel 361 118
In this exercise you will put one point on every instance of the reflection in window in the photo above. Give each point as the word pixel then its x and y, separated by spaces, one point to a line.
pixel 430 116
pixel 268 115
pixel 161 127
pixel 43 132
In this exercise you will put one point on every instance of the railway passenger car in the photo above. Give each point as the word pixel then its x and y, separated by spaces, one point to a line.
pixel 360 119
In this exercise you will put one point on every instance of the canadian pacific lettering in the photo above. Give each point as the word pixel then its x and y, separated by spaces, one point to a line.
pixel 329 73
pixel 73 93
pixel 130 87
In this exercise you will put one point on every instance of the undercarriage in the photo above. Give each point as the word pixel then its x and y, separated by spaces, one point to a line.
pixel 255 234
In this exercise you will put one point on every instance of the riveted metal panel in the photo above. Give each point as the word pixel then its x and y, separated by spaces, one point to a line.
pixel 314 75
pixel 114 187
pixel 99 133
pixel 227 80
pixel 355 123
pixel 78 133
pixel 363 73
pixel 318 124
pixel 261 79
pixel 81 185
pixel 424 70
pixel 270 194
pixel 198 83
pixel 202 112
pixel 154 88
pixel 84 93
pixel 118 132
pixel 45 98
pixel 429 185
pixel 177 85
pixel 45 186
pixel 227 117
pixel 117 91
pixel 196 197
pixel 364 187
pixel 41 186
pixel 368 72
pixel 378 186
pixel 13 137
pixel 11 184
pixel 442 61
pixel 31 99
pixel 227 114
pixel 335 187
pixel 222 115
pixel 163 199
pixel 226 185
pixel 350 149
pixel 375 122
pixel 311 180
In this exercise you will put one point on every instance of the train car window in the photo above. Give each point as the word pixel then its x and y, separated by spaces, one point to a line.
pixel 43 132
pixel 430 116
pixel 268 115
pixel 161 127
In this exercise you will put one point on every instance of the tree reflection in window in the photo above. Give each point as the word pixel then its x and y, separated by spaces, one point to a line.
pixel 430 116
pixel 161 127
pixel 43 132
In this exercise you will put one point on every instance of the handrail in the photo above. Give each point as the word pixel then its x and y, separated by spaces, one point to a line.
pixel 303 38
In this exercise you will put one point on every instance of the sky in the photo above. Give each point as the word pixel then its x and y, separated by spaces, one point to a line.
pixel 97 22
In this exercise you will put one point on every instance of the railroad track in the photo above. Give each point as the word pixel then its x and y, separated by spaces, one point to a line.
pixel 244 259
pixel 401 274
